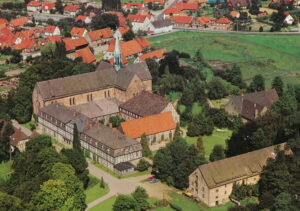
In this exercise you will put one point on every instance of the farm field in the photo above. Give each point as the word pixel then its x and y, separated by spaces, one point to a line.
pixel 269 55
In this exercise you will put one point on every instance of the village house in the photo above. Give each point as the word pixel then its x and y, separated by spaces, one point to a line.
pixel 251 105
pixel 158 128
pixel 51 31
pixel 85 54
pixel 85 19
pixel 147 104
pixel 205 22
pixel 26 46
pixel 18 22
pixel 53 39
pixel 155 2
pixel 186 7
pixel 104 145
pixel 239 3
pixel 156 54
pixel 160 26
pixel 235 14
pixel 168 13
pixel 121 31
pixel 100 37
pixel 183 21
pixel 71 10
pixel 19 139
pixel 289 20
pixel 129 7
pixel 212 183
pixel 34 6
pixel 47 7
pixel 75 44
pixel 139 22
pixel 120 82
pixel 77 32
pixel 224 24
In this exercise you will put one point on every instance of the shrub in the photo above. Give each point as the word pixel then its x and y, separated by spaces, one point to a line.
pixel 175 207
pixel 143 165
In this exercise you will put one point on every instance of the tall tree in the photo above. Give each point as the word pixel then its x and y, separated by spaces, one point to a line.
pixel 9 202
pixel 216 89
pixel 218 153
pixel 7 130
pixel 200 146
pixel 146 152
pixel 257 84
pixel 277 84
pixel 59 6
pixel 76 138
pixel 124 203
pixel 140 195
pixel 105 20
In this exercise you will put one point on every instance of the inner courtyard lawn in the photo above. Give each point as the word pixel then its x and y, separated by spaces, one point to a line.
pixel 269 55
pixel 218 137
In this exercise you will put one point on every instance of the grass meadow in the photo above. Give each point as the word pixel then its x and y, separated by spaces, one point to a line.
pixel 269 55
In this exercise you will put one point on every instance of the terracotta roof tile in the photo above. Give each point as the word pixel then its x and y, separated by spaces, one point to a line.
pixel 80 18
pixel 183 19
pixel 186 6
pixel 205 20
pixel 157 53
pixel 47 6
pixel 148 125
pixel 3 21
pixel 17 136
pixel 133 5
pixel 136 18
pixel 155 1
pixel 86 55
pixel 127 48
pixel 100 34
pixel 223 20
pixel 54 38
pixel 71 8
pixel 19 21
pixel 144 43
pixel 123 30
pixel 77 32
pixel 171 11
pixel 34 4
pixel 72 44
pixel 25 44
pixel 50 29
pixel 122 21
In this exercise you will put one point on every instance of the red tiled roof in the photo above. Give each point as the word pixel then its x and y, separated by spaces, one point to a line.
pixel 154 1
pixel 100 34
pixel 122 21
pixel 50 29
pixel 25 44
pixel 72 44
pixel 133 5
pixel 205 20
pixel 86 55
pixel 119 14
pixel 127 48
pixel 183 19
pixel 71 8
pixel 6 32
pixel 34 4
pixel 27 34
pixel 47 6
pixel 144 43
pixel 80 18
pixel 19 21
pixel 171 11
pixel 124 60
pixel 234 14
pixel 223 20
pixel 54 38
pixel 77 32
pixel 157 53
pixel 3 21
pixel 136 18
pixel 17 136
pixel 123 30
pixel 186 6
pixel 148 125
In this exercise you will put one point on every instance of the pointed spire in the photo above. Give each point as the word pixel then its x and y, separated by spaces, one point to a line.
pixel 117 55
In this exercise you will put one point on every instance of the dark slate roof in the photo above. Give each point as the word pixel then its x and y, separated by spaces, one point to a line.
pixel 17 136
pixel 162 23
pixel 105 76
pixel 236 3
pixel 114 139
pixel 234 168
pixel 248 103
pixel 145 104
pixel 124 166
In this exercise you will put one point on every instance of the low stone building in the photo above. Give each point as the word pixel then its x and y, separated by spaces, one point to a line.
pixel 18 140
pixel 158 128
pixel 251 105
pixel 104 145
pixel 147 104
pixel 212 183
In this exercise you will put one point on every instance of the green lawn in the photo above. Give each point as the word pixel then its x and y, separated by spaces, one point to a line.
pixel 210 141
pixel 27 125
pixel 269 55
pixel 105 205
pixel 94 191
pixel 5 170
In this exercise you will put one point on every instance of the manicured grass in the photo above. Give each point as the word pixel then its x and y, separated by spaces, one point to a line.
pixel 5 170
pixel 94 191
pixel 185 203
pixel 210 141
pixel 27 125
pixel 269 55
pixel 105 205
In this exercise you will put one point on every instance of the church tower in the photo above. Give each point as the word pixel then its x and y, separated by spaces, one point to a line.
pixel 117 55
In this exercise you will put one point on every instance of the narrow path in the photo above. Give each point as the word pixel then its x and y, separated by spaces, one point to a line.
pixel 23 129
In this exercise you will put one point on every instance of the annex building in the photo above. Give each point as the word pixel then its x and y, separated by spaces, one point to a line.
pixel 212 183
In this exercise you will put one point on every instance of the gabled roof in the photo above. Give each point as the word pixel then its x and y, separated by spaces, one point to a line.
pixel 162 23
pixel 128 48
pixel 154 1
pixel 3 21
pixel 71 8
pixel 100 34
pixel 34 4
pixel 224 20
pixel 118 14
pixel 133 5
pixel 47 6
pixel 77 32
pixel 183 19
pixel 137 18
pixel 81 18
pixel 17 136
pixel 122 21
pixel 123 30
pixel 86 55
pixel 144 43
pixel 17 22
pixel 186 6
pixel 157 54
pixel 105 76
pixel 27 34
pixel 72 44
pixel 235 168
pixel 50 29
pixel 145 104
pixel 171 11
pixel 54 38
pixel 205 20
pixel 25 44
pixel 148 125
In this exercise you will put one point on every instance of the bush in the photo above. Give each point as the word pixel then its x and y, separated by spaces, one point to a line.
pixel 175 207
pixel 239 192
pixel 142 165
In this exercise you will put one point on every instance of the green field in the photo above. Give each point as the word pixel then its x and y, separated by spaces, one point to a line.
pixel 5 170
pixel 269 55
pixel 105 205
pixel 94 191
pixel 210 141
